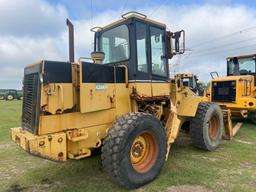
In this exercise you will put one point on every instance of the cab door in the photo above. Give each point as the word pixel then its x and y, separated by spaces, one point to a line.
pixel 143 78
pixel 159 62
pixel 158 59
pixel 142 66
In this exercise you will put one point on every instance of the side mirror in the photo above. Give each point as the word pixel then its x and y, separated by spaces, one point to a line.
pixel 175 43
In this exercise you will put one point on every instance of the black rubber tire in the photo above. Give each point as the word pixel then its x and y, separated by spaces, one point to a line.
pixel 7 97
pixel 117 145
pixel 199 127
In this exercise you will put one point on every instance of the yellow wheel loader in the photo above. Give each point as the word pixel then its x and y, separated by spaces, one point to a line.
pixel 123 102
pixel 237 91
pixel 190 80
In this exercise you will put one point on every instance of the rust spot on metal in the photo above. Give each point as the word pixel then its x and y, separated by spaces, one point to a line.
pixel 145 98
pixel 41 143
pixel 49 138
pixel 60 155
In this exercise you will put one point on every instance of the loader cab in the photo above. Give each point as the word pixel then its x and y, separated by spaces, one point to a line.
pixel 190 80
pixel 242 65
pixel 140 44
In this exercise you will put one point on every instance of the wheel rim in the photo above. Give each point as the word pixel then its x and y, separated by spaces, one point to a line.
pixel 144 152
pixel 9 97
pixel 214 125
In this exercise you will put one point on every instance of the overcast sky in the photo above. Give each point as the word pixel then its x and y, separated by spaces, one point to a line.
pixel 32 30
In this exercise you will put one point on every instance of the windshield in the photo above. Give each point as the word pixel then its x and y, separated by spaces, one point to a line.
pixel 241 66
pixel 115 44
pixel 187 82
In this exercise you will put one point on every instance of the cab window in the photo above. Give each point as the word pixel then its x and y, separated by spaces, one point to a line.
pixel 158 52
pixel 141 34
pixel 247 65
pixel 241 66
pixel 115 44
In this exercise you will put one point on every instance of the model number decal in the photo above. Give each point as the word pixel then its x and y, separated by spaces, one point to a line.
pixel 100 87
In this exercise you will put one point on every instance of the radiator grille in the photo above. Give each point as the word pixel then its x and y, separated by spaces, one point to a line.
pixel 30 99
pixel 224 91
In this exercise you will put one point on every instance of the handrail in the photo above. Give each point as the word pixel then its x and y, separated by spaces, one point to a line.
pixel 214 72
pixel 61 96
pixel 126 75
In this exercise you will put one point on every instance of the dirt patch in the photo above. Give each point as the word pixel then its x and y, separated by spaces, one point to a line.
pixel 16 188
pixel 246 165
pixel 245 142
pixel 4 146
pixel 188 188
pixel 46 181
pixel 253 184
pixel 211 159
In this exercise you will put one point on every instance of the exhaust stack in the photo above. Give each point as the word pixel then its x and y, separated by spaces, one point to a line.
pixel 71 41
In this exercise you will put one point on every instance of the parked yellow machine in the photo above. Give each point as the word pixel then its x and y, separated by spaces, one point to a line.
pixel 191 80
pixel 124 102
pixel 237 91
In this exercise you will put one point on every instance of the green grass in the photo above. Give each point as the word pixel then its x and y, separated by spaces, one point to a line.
pixel 231 168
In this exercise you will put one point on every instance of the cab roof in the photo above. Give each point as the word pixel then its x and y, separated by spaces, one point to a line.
pixel 243 56
pixel 126 16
